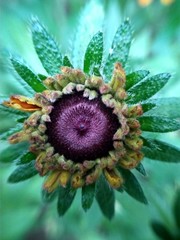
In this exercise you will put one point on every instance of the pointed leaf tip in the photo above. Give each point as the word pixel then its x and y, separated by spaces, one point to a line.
pixel 105 197
pixel 147 88
pixel 158 124
pixel 27 74
pixel 161 151
pixel 132 186
pixel 23 172
pixel 135 77
pixel 65 199
pixel 46 48
pixel 88 193
pixel 93 55
pixel 166 107
pixel 119 50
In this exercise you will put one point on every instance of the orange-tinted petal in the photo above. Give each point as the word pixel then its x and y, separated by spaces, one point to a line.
pixel 22 103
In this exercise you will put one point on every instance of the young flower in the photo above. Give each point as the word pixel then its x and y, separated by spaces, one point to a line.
pixel 84 127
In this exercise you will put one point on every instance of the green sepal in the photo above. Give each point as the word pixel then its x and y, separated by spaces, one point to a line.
pixel 66 62
pixel 26 158
pixel 176 208
pixel 11 131
pixel 158 124
pixel 161 231
pixel 161 151
pixel 147 88
pixel 12 152
pixel 119 49
pixel 105 197
pixel 42 77
pixel 48 197
pixel 65 199
pixel 46 48
pixel 132 186
pixel 166 107
pixel 23 172
pixel 93 55
pixel 27 74
pixel 88 192
pixel 21 120
pixel 147 106
pixel 135 77
pixel 140 168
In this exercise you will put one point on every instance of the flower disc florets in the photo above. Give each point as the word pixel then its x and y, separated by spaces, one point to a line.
pixel 81 128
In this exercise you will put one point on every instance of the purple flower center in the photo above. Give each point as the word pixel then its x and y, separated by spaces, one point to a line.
pixel 81 129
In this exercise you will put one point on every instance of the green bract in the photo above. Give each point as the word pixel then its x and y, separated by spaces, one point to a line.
pixel 160 115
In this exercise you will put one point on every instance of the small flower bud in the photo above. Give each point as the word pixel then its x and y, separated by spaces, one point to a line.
pixel 77 180
pixel 69 88
pixel 134 143
pixel 51 182
pixel 113 177
pixel 64 178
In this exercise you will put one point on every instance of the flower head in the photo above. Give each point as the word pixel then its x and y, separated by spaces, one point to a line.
pixel 81 128
pixel 84 127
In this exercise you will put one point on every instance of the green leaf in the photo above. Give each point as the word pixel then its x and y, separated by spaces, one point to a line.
pixel 132 186
pixel 105 197
pixel 140 168
pixel 135 77
pixel 46 48
pixel 66 62
pixel 12 113
pixel 166 107
pixel 158 150
pixel 26 158
pixel 23 172
pixel 21 120
pixel 88 193
pixel 27 75
pixel 176 208
pixel 93 55
pixel 49 197
pixel 65 199
pixel 147 106
pixel 12 152
pixel 11 131
pixel 158 124
pixel 42 77
pixel 147 88
pixel 161 231
pixel 119 50
pixel 91 21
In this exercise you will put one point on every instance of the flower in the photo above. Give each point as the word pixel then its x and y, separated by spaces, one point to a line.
pixel 86 128
pixel 80 128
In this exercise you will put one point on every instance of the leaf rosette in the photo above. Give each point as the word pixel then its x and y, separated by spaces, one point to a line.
pixel 82 128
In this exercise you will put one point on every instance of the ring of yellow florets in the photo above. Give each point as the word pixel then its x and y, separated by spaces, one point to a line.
pixel 127 143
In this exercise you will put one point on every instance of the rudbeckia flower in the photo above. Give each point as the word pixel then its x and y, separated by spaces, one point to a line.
pixel 85 128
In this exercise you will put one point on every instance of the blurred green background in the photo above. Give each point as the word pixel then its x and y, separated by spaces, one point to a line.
pixel 156 47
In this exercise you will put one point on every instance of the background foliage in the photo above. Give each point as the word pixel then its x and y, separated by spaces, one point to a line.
pixel 156 48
